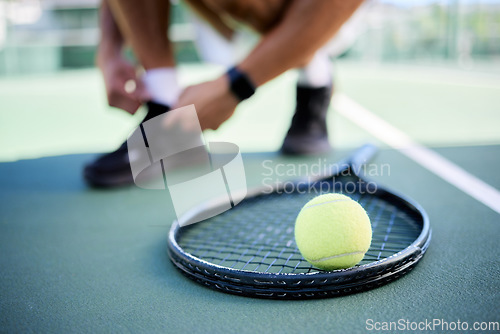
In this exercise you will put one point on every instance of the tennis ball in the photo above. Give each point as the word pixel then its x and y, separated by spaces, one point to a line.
pixel 333 231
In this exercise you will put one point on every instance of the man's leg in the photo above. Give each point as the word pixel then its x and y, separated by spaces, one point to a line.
pixel 308 132
pixel 144 27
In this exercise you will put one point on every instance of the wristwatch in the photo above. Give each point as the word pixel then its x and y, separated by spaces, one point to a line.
pixel 240 84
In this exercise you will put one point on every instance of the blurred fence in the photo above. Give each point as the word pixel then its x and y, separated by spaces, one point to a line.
pixel 49 35
pixel 458 30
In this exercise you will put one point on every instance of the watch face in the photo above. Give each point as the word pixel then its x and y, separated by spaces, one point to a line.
pixel 240 84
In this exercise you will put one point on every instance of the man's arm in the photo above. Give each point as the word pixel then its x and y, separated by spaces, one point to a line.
pixel 304 28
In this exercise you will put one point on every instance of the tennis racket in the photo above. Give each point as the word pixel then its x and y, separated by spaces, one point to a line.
pixel 250 250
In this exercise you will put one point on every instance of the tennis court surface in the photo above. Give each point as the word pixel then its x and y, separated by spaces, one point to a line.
pixel 76 259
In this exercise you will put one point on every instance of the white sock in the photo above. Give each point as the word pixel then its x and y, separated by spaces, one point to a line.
pixel 162 84
pixel 318 73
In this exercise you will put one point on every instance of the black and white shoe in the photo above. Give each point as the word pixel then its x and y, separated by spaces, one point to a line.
pixel 308 132
pixel 113 169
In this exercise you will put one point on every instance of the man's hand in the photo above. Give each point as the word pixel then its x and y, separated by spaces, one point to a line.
pixel 213 100
pixel 123 88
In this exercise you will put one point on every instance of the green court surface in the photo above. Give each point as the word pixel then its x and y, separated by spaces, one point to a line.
pixel 76 259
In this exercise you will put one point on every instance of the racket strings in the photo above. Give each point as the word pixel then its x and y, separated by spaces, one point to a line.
pixel 258 234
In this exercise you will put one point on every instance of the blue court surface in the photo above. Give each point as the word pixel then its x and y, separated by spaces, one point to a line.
pixel 77 259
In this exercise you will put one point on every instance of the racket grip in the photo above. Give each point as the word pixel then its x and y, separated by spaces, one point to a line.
pixel 363 155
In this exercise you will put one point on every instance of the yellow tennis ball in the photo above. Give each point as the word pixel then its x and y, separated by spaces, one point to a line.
pixel 333 231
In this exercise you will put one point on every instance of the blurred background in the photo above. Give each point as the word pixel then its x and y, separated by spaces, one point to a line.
pixel 52 98
pixel 52 35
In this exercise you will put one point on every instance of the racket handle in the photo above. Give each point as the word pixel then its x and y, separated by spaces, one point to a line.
pixel 362 155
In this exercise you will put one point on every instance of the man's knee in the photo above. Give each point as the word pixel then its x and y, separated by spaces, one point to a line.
pixel 261 15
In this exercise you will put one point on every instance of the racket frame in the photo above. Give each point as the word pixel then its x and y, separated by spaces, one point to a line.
pixel 308 285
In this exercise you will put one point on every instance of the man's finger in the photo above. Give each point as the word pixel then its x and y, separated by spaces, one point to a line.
pixel 140 93
pixel 130 86
pixel 117 100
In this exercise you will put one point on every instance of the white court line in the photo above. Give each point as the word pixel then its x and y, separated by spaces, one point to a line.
pixel 429 159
